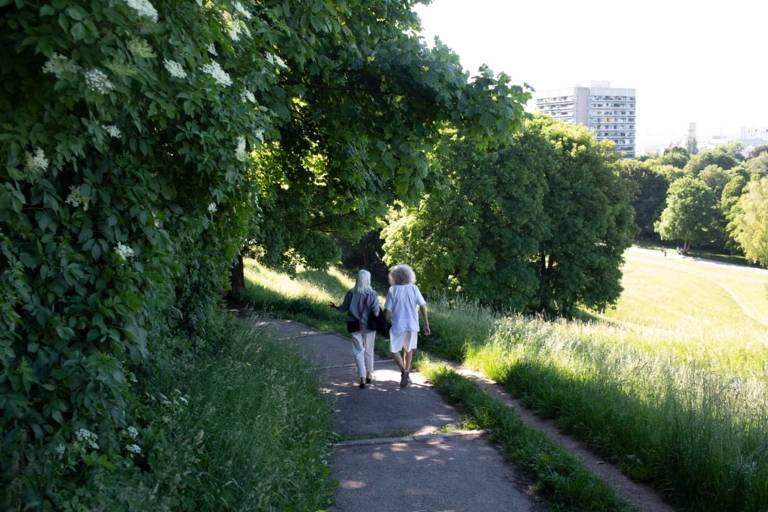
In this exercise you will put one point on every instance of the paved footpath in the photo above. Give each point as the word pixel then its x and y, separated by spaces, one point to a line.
pixel 398 451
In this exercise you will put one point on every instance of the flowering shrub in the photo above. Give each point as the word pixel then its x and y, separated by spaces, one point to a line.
pixel 127 126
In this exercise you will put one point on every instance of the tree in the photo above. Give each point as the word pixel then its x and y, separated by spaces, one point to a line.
pixel 589 223
pixel 757 151
pixel 476 232
pixel 757 166
pixel 724 156
pixel 750 221
pixel 649 193
pixel 715 178
pixel 689 214
pixel 675 156
pixel 358 135
pixel 540 224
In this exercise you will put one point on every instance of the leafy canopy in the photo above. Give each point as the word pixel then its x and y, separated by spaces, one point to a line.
pixel 538 224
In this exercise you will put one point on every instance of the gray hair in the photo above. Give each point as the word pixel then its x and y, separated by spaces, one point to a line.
pixel 363 282
pixel 401 274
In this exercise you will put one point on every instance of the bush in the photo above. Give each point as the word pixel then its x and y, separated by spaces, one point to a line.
pixel 125 136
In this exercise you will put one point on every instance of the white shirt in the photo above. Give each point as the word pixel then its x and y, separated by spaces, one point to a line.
pixel 402 301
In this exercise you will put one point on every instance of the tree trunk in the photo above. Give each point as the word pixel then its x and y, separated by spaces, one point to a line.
pixel 236 279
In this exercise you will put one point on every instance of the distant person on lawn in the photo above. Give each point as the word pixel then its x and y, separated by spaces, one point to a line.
pixel 403 300
pixel 360 303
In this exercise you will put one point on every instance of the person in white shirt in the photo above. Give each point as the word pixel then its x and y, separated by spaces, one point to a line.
pixel 360 303
pixel 403 301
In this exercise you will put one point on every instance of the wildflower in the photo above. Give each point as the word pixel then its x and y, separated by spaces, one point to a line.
pixel 133 448
pixel 174 68
pixel 240 152
pixel 275 60
pixel 76 198
pixel 98 81
pixel 259 134
pixel 199 3
pixel 83 434
pixel 112 130
pixel 58 64
pixel 133 432
pixel 218 74
pixel 212 208
pixel 143 8
pixel 242 10
pixel 212 49
pixel 36 162
pixel 86 436
pixel 123 251
pixel 247 95
pixel 60 449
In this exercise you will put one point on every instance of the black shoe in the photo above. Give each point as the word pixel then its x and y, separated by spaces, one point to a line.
pixel 362 384
pixel 368 380
pixel 403 379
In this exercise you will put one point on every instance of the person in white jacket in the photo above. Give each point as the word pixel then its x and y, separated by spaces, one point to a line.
pixel 360 303
pixel 404 299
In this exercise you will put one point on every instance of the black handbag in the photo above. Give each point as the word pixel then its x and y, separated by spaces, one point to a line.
pixel 381 324
pixel 353 326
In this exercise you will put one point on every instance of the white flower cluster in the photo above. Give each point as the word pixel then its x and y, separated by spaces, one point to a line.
pixel 240 152
pixel 242 10
pixel 143 8
pixel 235 30
pixel 123 251
pixel 218 74
pixel 98 81
pixel 212 49
pixel 112 130
pixel 247 95
pixel 76 198
pixel 86 436
pixel 259 134
pixel 58 64
pixel 174 68
pixel 36 162
pixel 199 3
pixel 212 208
pixel 60 449
pixel 133 448
pixel 275 60
pixel 233 24
pixel 133 432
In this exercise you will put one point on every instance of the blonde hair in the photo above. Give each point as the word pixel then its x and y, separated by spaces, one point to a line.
pixel 363 282
pixel 401 274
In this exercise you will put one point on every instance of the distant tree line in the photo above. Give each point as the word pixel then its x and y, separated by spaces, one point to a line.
pixel 714 199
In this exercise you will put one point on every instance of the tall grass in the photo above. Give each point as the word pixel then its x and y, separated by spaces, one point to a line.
pixel 700 436
pixel 240 426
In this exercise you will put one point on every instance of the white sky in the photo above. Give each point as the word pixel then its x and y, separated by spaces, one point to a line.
pixel 704 62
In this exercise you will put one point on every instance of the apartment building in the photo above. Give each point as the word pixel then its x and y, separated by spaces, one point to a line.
pixel 608 112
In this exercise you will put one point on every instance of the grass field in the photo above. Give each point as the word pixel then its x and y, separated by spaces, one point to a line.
pixel 671 384
pixel 677 292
